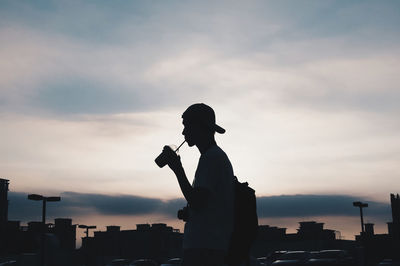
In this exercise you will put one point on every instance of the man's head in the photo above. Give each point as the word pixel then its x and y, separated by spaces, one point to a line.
pixel 199 123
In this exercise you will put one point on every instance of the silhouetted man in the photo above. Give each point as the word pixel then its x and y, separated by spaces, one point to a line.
pixel 210 198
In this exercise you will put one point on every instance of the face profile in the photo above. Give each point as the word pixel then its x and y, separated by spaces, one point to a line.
pixel 193 132
pixel 199 124
pixel 188 133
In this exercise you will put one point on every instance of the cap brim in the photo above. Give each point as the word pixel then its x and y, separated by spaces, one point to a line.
pixel 219 129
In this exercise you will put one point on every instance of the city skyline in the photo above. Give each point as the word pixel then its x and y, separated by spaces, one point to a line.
pixel 307 91
pixel 128 211
pixel 160 242
pixel 326 205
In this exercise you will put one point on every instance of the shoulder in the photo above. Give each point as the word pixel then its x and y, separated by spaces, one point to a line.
pixel 216 158
pixel 215 153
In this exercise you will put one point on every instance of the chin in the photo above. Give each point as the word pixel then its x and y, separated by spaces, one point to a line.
pixel 190 143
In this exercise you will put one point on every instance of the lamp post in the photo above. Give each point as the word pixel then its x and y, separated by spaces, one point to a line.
pixel 87 227
pixel 44 199
pixel 85 246
pixel 361 206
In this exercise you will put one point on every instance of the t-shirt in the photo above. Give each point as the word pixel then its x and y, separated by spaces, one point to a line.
pixel 211 227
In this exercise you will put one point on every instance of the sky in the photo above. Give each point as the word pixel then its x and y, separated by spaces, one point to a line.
pixel 90 92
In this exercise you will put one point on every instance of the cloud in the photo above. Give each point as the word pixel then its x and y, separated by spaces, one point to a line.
pixel 77 95
pixel 111 205
pixel 317 205
pixel 309 92
pixel 284 206
pixel 81 204
pixel 129 57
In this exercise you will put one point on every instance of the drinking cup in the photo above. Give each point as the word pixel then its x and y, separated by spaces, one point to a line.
pixel 162 159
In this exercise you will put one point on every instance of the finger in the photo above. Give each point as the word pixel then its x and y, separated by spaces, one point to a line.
pixel 166 148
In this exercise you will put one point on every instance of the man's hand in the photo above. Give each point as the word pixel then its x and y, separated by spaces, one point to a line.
pixel 198 197
pixel 173 160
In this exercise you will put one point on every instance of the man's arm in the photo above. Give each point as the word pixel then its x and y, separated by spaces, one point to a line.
pixel 196 197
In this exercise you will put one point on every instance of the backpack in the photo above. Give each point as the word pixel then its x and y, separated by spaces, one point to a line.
pixel 245 224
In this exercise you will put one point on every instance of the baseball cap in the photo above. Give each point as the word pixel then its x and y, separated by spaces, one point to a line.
pixel 204 114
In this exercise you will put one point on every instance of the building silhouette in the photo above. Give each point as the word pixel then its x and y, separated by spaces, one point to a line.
pixel 314 231
pixel 394 226
pixel 310 236
pixel 20 239
pixel 65 231
pixel 156 241
pixel 3 201
pixel 160 242
pixel 3 213
pixel 57 239
pixel 377 247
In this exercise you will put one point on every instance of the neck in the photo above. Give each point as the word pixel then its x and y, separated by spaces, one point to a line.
pixel 205 145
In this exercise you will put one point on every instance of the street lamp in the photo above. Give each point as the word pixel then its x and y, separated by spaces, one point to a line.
pixel 84 246
pixel 37 197
pixel 87 227
pixel 44 199
pixel 361 206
